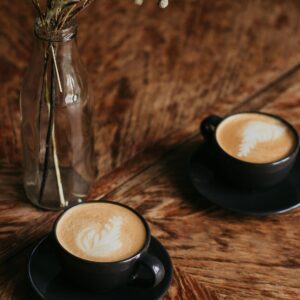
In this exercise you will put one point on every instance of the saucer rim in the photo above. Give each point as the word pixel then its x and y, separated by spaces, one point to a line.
pixel 193 157
pixel 29 275
pixel 48 236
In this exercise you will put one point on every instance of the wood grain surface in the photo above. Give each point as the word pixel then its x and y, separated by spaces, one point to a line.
pixel 156 74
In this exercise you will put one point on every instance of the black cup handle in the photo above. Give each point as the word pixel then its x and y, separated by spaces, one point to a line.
pixel 154 266
pixel 208 126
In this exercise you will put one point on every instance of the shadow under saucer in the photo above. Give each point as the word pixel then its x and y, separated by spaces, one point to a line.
pixel 209 183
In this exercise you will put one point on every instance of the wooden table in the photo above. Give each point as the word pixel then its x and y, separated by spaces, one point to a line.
pixel 156 74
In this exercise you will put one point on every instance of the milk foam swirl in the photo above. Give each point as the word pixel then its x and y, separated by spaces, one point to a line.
pixel 101 240
pixel 256 132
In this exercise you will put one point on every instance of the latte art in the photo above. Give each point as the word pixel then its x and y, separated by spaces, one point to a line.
pixel 101 241
pixel 101 232
pixel 255 138
pixel 257 132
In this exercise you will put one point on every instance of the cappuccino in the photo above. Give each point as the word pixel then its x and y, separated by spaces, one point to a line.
pixel 101 232
pixel 255 138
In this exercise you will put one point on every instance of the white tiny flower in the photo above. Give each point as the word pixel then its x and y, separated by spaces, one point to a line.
pixel 163 3
pixel 139 2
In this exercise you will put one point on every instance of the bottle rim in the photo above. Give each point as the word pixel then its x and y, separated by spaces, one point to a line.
pixel 62 35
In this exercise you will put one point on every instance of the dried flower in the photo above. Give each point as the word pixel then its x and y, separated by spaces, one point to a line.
pixel 57 13
pixel 139 2
pixel 161 3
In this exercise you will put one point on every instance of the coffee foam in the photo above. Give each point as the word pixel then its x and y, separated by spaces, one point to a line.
pixel 255 138
pixel 101 232
pixel 100 241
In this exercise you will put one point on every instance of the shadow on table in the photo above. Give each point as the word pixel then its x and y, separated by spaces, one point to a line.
pixel 11 184
pixel 176 167
pixel 177 170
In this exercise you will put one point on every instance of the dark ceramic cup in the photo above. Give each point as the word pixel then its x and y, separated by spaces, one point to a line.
pixel 141 269
pixel 246 174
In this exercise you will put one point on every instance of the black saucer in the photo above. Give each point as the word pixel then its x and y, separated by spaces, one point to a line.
pixel 277 199
pixel 49 282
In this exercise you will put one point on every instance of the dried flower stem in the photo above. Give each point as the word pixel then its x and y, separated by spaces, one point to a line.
pixel 62 200
pixel 67 16
pixel 37 7
pixel 44 95
pixel 56 68
pixel 46 58
pixel 51 107
pixel 54 147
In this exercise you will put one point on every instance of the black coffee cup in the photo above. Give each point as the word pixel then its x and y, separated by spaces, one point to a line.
pixel 142 269
pixel 242 173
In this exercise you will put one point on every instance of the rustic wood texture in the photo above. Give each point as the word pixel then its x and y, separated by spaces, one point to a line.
pixel 156 75
pixel 155 70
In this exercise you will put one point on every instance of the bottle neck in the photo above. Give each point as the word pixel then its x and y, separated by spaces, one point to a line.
pixel 66 34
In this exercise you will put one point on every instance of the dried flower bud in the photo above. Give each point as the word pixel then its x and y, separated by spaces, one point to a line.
pixel 163 3
pixel 139 2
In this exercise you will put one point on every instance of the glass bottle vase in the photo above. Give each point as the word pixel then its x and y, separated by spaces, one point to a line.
pixel 56 122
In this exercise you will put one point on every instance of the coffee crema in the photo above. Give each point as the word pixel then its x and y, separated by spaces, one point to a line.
pixel 101 232
pixel 255 138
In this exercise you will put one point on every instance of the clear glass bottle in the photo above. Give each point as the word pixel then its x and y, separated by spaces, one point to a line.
pixel 56 122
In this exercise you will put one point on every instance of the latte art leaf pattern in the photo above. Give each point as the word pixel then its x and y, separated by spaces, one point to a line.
pixel 101 241
pixel 257 132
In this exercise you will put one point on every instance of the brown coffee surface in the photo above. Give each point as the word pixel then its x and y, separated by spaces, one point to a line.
pixel 101 232
pixel 255 138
